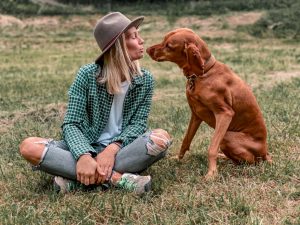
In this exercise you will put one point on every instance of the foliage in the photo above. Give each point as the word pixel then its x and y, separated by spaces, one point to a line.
pixel 170 7
pixel 28 7
pixel 281 23
pixel 18 6
pixel 282 18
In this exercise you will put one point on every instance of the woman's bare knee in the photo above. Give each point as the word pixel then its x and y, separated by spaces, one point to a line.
pixel 32 150
pixel 26 145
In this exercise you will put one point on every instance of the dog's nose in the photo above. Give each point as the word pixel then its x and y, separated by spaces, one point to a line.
pixel 149 50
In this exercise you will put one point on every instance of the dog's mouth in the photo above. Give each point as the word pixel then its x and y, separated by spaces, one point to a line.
pixel 157 59
pixel 154 54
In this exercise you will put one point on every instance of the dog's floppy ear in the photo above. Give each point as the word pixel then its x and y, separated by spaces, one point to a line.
pixel 193 55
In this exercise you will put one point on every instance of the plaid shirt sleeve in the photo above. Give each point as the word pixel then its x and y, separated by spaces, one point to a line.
pixel 76 115
pixel 138 123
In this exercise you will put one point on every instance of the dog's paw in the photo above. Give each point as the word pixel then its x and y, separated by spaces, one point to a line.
pixel 269 159
pixel 180 156
pixel 182 152
pixel 175 157
pixel 211 175
pixel 222 156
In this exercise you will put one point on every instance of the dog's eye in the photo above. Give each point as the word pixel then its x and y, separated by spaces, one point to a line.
pixel 168 46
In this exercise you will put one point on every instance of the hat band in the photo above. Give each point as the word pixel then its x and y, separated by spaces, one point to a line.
pixel 111 41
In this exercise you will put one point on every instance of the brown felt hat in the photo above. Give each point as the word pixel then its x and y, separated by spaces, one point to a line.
pixel 109 28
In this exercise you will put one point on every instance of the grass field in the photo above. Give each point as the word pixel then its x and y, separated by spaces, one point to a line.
pixel 39 59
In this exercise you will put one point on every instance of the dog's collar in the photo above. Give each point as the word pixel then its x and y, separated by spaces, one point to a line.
pixel 205 68
pixel 209 64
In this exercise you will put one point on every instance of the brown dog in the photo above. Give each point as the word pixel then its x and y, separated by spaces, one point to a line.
pixel 217 96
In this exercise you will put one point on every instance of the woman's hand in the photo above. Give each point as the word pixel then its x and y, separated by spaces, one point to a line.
pixel 105 161
pixel 86 170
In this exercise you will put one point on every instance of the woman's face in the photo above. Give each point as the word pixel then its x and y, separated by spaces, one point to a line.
pixel 134 44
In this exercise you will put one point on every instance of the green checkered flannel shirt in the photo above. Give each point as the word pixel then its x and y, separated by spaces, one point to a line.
pixel 89 108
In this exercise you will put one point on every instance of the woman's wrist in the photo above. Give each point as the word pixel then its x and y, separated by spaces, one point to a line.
pixel 90 153
pixel 119 144
pixel 114 147
pixel 84 156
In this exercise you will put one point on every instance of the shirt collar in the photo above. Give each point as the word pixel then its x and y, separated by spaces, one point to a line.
pixel 137 80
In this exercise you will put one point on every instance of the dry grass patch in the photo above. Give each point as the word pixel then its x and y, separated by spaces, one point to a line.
pixel 6 20
pixel 247 18
pixel 280 76
pixel 42 115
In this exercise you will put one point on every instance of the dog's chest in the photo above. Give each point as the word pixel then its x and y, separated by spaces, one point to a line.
pixel 196 93
pixel 198 107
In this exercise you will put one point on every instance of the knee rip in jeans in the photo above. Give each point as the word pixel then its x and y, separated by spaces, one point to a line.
pixel 157 143
pixel 46 143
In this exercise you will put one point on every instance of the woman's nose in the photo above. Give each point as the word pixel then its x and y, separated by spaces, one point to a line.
pixel 141 41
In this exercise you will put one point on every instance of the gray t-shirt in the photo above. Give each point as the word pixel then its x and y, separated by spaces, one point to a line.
pixel 114 124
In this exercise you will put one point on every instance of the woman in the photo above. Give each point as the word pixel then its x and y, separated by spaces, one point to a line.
pixel 104 129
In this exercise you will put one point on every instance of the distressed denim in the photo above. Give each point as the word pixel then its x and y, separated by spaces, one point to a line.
pixel 133 158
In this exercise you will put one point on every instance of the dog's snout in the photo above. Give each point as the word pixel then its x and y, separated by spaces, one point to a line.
pixel 156 52
pixel 150 50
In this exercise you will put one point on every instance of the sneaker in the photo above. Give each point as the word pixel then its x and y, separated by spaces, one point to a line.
pixel 63 185
pixel 137 184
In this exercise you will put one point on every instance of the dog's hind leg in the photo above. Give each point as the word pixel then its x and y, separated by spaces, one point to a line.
pixel 241 147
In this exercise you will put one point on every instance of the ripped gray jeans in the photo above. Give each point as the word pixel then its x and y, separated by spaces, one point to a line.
pixel 133 158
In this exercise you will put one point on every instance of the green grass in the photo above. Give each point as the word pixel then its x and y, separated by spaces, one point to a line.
pixel 38 64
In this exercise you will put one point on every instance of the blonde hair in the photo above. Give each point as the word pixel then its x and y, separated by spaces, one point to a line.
pixel 118 67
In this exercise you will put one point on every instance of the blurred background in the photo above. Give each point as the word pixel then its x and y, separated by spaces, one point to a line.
pixel 281 20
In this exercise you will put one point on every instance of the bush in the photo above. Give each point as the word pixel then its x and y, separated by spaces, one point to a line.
pixel 282 20
pixel 172 8
pixel 18 7
pixel 27 7
pixel 280 23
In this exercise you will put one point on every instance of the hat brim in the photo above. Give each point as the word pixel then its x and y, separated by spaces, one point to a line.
pixel 135 23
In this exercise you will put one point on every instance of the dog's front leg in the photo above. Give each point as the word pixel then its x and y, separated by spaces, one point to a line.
pixel 191 131
pixel 223 119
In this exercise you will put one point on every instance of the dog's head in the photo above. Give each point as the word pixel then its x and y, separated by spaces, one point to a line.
pixel 175 45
